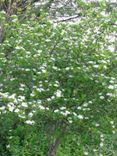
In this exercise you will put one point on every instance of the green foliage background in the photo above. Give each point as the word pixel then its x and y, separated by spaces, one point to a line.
pixel 58 84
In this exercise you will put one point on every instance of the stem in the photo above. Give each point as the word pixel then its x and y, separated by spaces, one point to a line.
pixel 53 147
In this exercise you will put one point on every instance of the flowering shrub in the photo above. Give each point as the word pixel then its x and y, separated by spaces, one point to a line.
pixel 58 81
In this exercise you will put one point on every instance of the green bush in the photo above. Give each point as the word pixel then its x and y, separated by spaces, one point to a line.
pixel 58 86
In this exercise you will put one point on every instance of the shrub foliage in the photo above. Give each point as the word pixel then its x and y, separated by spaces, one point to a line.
pixel 58 85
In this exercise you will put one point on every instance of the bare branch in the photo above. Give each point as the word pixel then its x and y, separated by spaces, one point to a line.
pixel 68 19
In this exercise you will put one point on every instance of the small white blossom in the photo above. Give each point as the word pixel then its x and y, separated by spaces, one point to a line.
pixel 94 150
pixel 86 153
pixel 2 108
pixel 101 144
pixel 42 107
pixel 85 104
pixel 113 132
pixel 101 97
pixel 95 66
pixel 21 98
pixel 110 87
pixel 80 116
pixel 22 116
pixel 62 108
pixel 97 125
pixel 30 114
pixel 56 111
pixel 12 96
pixel 112 122
pixel 29 122
pixel 66 113
pixel 70 121
pixel 24 104
pixel 67 68
pixel 16 110
pixel 11 107
pixel 79 107
pixel 58 93
pixel 8 146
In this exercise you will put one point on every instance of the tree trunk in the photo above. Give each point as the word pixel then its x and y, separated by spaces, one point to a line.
pixel 53 147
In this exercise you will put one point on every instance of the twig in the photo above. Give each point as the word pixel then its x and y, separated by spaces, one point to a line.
pixel 69 18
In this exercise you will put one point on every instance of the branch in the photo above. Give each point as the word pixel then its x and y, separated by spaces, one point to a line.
pixel 2 33
pixel 114 24
pixel 69 18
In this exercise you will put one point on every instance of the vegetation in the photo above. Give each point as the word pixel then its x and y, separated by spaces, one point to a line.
pixel 58 81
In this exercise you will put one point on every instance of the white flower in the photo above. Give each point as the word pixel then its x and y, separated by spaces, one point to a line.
pixel 90 102
pixel 113 126
pixel 79 107
pixel 56 111
pixel 86 153
pixel 11 107
pixel 111 48
pixel 95 66
pixel 112 122
pixel 66 113
pixel 8 146
pixel 21 98
pixel 101 135
pixel 74 114
pixel 70 121
pixel 22 85
pixel 27 69
pixel 105 67
pixel 102 139
pixel 102 97
pixel 22 116
pixel 85 104
pixel 39 51
pixel 29 122
pixel 48 99
pixel 30 114
pixel 97 125
pixel 80 116
pixel 67 68
pixel 43 71
pixel 18 48
pixel 12 96
pixel 2 108
pixel 94 150
pixel 42 107
pixel 109 94
pixel 52 97
pixel 16 110
pixel 86 118
pixel 28 52
pixel 113 132
pixel 58 93
pixel 24 104
pixel 47 108
pixel 32 94
pixel 56 85
pixel 103 13
pixel 54 67
pixel 101 144
pixel 62 108
pixel 22 89
pixel 91 62
pixel 110 87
